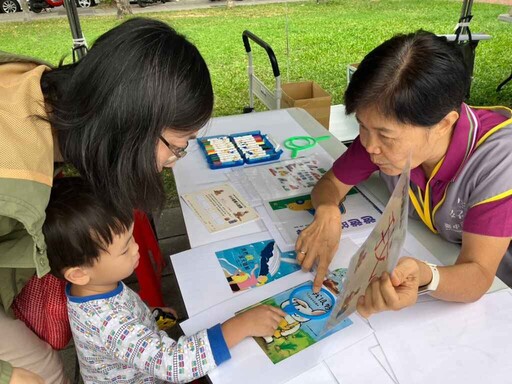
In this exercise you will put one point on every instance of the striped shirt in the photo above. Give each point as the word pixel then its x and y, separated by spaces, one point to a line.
pixel 118 341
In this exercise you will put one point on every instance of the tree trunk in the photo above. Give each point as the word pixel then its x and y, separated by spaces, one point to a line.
pixel 27 15
pixel 123 8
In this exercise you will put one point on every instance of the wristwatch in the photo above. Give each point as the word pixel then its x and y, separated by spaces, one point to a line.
pixel 434 283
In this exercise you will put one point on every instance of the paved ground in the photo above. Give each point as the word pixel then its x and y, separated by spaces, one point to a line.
pixel 172 5
pixel 103 10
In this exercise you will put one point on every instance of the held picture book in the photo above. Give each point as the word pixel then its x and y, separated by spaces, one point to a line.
pixel 379 253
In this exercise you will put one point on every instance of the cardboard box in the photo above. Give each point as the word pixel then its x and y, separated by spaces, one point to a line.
pixel 351 68
pixel 309 96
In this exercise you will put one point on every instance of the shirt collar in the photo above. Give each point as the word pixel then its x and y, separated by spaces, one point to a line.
pixel 461 145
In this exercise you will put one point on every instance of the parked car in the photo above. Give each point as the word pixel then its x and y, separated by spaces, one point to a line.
pixel 10 6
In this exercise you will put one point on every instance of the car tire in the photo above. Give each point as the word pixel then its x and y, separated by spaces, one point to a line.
pixel 84 3
pixel 9 6
pixel 142 3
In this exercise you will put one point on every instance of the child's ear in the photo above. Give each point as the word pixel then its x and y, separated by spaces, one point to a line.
pixel 77 275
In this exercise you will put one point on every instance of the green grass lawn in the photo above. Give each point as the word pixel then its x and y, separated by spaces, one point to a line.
pixel 322 39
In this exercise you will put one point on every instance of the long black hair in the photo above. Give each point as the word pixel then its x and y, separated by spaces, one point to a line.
pixel 109 109
pixel 415 79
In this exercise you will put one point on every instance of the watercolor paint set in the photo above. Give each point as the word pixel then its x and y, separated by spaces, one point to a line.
pixel 225 151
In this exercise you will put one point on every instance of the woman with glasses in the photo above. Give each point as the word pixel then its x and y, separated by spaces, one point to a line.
pixel 176 152
pixel 119 116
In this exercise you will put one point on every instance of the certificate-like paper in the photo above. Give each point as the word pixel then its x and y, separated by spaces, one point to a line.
pixel 220 207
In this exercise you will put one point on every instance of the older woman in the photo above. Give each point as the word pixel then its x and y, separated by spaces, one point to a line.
pixel 407 95
pixel 119 116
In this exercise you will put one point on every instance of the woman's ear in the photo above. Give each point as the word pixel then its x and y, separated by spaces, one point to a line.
pixel 444 127
pixel 77 275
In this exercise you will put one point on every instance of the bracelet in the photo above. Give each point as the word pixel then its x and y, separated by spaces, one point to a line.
pixel 434 283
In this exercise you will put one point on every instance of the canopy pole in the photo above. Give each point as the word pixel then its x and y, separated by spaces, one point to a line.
pixel 79 43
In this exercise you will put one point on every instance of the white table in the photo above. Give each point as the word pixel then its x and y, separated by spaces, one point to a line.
pixel 266 122
pixel 337 367
pixel 192 171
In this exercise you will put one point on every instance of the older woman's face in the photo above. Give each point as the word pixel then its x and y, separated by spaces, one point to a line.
pixel 390 143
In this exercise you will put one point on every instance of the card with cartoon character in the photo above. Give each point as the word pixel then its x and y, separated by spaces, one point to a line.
pixel 306 316
pixel 255 264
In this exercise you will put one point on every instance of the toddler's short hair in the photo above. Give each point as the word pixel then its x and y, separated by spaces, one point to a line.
pixel 79 225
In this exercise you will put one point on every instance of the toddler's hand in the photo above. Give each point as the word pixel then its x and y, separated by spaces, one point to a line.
pixel 259 321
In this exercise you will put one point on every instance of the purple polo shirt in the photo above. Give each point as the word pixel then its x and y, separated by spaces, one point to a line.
pixel 490 219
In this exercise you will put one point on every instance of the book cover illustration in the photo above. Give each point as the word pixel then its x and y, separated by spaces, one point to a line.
pixel 303 325
pixel 220 207
pixel 255 264
pixel 293 214
pixel 378 253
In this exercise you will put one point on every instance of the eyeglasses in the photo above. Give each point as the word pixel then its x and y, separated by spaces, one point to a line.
pixel 177 152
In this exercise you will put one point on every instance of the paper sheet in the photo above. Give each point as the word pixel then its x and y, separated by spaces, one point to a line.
pixel 202 173
pixel 247 359
pixel 284 178
pixel 442 342
pixel 291 215
pixel 220 207
pixel 198 235
pixel 319 374
pixel 357 365
pixel 378 353
pixel 199 268
pixel 200 277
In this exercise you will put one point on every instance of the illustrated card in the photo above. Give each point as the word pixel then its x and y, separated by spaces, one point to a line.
pixel 255 264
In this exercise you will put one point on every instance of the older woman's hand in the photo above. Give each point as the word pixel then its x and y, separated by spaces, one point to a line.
pixel 393 292
pixel 319 242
